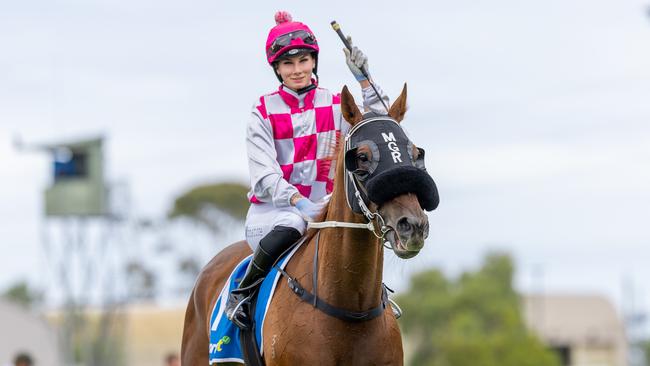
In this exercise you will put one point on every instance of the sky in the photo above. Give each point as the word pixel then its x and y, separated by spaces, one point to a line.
pixel 534 114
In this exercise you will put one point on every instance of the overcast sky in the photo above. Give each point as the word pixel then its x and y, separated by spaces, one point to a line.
pixel 534 114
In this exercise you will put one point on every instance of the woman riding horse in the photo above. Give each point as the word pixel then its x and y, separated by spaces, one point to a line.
pixel 381 184
pixel 345 269
pixel 290 142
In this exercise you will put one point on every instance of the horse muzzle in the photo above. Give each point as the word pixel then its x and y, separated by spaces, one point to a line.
pixel 407 238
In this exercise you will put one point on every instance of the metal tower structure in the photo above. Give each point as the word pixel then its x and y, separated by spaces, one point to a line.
pixel 82 248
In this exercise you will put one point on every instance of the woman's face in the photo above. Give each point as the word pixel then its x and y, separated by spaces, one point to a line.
pixel 296 71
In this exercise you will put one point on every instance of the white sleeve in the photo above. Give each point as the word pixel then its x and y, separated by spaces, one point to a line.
pixel 267 181
pixel 371 101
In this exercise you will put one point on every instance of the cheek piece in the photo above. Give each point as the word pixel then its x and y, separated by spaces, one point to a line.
pixel 395 173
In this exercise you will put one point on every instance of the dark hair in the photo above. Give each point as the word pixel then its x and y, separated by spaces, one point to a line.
pixel 300 53
pixel 23 358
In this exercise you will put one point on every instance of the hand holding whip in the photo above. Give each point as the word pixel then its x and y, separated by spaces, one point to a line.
pixel 357 61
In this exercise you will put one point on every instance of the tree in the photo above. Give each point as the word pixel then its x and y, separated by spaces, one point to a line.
pixel 645 347
pixel 205 203
pixel 141 281
pixel 21 294
pixel 189 269
pixel 475 320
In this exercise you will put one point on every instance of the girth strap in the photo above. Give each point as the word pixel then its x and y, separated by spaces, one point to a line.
pixel 345 315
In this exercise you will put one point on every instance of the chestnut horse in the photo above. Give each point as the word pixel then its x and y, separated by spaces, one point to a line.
pixel 350 264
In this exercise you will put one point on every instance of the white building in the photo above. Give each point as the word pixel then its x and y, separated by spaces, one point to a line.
pixel 23 331
pixel 584 329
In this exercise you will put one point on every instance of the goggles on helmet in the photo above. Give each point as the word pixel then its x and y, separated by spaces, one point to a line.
pixel 285 40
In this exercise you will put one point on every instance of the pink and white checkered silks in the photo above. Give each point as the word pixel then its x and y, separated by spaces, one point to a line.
pixel 304 149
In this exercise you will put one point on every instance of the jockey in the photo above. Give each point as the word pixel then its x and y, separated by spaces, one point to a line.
pixel 291 140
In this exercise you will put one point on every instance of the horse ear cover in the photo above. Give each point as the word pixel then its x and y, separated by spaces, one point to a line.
pixel 406 179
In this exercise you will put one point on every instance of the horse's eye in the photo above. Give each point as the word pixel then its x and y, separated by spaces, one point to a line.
pixel 362 157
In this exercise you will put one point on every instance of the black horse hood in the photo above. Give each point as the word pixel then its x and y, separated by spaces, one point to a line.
pixel 393 170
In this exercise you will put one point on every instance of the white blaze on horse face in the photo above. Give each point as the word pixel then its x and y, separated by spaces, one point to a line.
pixel 392 146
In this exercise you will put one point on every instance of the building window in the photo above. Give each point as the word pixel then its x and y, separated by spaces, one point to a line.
pixel 74 167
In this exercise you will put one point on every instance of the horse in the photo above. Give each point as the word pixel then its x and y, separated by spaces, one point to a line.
pixel 349 262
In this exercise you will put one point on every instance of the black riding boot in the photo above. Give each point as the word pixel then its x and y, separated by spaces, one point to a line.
pixel 270 248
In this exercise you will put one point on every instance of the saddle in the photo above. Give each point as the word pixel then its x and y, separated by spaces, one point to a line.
pixel 228 343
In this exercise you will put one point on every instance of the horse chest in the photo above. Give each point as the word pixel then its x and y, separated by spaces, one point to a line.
pixel 297 334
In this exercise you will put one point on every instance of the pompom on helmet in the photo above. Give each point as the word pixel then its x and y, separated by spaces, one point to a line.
pixel 289 38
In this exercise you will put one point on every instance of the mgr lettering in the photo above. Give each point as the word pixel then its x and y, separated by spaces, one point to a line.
pixel 392 146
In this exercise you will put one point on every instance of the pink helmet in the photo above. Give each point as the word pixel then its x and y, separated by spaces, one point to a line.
pixel 288 35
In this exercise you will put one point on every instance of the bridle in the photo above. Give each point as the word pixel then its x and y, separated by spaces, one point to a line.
pixel 358 200
pixel 375 222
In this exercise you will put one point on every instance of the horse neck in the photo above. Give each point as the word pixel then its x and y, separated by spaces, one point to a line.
pixel 350 260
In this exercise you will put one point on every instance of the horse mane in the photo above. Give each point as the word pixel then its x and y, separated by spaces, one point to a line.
pixel 336 149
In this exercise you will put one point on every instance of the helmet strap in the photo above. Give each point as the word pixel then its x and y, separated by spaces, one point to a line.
pixel 306 89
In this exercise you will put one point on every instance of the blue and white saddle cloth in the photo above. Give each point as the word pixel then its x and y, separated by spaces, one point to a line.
pixel 224 335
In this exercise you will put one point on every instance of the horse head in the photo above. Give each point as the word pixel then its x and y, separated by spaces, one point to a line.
pixel 385 174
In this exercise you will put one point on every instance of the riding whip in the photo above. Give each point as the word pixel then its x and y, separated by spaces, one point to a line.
pixel 337 29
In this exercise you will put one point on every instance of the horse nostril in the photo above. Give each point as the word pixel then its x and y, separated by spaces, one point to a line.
pixel 403 225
